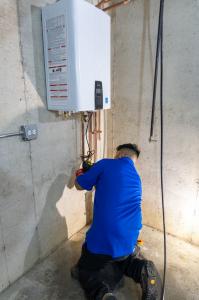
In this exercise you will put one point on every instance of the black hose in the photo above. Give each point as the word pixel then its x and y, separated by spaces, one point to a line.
pixel 90 152
pixel 159 55
pixel 86 133
pixel 156 69
pixel 162 149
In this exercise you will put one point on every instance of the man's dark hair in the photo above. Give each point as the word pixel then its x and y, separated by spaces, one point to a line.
pixel 132 147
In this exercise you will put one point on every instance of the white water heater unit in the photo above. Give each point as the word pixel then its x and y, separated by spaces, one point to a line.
pixel 77 56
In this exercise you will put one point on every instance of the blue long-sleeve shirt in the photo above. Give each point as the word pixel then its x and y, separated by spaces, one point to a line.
pixel 117 216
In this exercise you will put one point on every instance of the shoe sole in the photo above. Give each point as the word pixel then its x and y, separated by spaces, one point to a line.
pixel 151 282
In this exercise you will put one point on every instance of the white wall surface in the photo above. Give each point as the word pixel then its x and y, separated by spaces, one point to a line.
pixel 134 39
pixel 37 208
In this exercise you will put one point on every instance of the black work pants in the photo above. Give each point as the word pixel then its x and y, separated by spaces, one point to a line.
pixel 100 274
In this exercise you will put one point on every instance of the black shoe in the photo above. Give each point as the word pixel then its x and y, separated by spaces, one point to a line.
pixel 150 282
pixel 109 296
pixel 75 272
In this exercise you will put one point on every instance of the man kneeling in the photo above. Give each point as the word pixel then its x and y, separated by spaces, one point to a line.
pixel 109 249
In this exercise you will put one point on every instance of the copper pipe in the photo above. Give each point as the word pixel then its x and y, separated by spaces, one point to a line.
pixel 102 2
pixel 105 134
pixel 124 2
pixel 99 125
pixel 95 136
pixel 90 134
pixel 83 142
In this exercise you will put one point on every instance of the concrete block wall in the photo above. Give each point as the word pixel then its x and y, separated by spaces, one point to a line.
pixel 134 40
pixel 38 209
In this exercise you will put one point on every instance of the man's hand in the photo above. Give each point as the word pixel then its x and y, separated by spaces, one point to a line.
pixel 79 172
pixel 86 165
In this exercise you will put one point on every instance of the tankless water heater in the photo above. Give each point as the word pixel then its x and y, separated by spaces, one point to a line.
pixel 77 56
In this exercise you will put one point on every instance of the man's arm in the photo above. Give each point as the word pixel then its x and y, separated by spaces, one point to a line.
pixel 78 187
pixel 88 180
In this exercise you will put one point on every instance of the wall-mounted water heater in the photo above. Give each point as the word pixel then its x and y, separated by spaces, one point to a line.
pixel 77 56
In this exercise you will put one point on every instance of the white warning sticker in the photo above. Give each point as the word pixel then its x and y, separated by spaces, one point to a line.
pixel 57 58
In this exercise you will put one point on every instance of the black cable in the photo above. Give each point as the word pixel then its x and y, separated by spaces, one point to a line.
pixel 86 133
pixel 162 148
pixel 156 69
pixel 90 152
pixel 159 54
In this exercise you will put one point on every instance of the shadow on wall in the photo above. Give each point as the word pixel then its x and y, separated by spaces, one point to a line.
pixel 52 280
pixel 51 227
pixel 88 197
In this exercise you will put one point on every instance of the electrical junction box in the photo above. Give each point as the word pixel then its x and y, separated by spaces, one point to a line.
pixel 77 56
pixel 29 132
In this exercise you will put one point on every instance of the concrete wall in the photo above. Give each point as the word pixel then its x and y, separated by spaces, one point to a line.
pixel 134 39
pixel 37 208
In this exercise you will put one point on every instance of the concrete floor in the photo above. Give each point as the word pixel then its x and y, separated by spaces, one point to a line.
pixel 50 280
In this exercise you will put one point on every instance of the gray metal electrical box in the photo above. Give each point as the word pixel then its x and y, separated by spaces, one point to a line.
pixel 29 132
